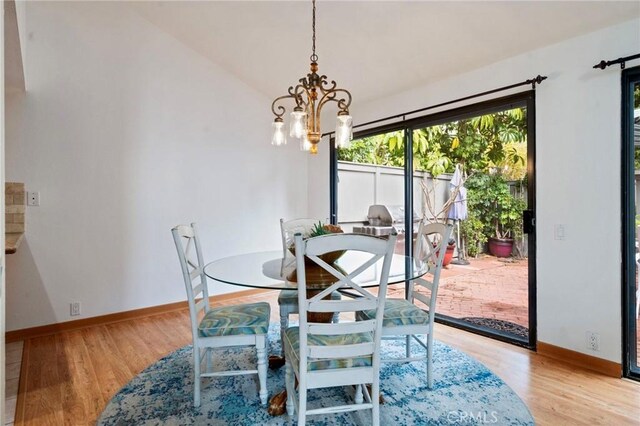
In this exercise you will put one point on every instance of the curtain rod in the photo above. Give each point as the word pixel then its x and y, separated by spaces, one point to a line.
pixel 533 81
pixel 603 64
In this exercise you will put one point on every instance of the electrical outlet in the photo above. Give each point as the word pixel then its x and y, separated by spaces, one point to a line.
pixel 593 341
pixel 74 308
pixel 33 198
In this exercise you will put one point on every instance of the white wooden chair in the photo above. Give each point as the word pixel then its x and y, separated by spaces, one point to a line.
pixel 288 299
pixel 342 353
pixel 403 318
pixel 239 325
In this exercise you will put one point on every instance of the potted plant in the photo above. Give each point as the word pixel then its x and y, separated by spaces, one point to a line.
pixel 505 217
pixel 317 230
pixel 495 214
pixel 448 255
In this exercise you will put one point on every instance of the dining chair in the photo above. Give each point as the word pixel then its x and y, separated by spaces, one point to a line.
pixel 228 326
pixel 403 318
pixel 288 299
pixel 338 353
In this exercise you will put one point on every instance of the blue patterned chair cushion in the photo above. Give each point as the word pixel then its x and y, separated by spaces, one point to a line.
pixel 290 297
pixel 292 343
pixel 252 318
pixel 398 312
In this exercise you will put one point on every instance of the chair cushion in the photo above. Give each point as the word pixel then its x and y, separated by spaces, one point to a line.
pixel 398 312
pixel 292 348
pixel 252 318
pixel 290 297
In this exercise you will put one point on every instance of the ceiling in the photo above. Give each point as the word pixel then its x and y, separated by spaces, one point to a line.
pixel 373 48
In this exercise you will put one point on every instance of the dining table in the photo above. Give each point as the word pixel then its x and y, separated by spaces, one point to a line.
pixel 270 270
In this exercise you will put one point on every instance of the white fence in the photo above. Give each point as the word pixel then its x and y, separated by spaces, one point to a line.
pixel 361 185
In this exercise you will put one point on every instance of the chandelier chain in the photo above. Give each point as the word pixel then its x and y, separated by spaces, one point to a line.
pixel 314 57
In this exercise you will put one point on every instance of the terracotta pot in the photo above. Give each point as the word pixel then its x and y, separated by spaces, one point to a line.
pixel 500 247
pixel 448 255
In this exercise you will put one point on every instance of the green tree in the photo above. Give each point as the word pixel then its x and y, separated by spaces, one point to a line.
pixel 490 140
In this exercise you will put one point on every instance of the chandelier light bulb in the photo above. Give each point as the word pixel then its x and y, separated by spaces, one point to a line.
pixel 344 131
pixel 298 126
pixel 279 137
pixel 305 145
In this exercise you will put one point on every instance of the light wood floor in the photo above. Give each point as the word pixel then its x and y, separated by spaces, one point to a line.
pixel 68 378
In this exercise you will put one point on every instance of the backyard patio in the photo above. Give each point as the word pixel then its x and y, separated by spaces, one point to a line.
pixel 488 288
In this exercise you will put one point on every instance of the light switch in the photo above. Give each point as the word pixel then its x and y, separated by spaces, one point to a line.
pixel 559 232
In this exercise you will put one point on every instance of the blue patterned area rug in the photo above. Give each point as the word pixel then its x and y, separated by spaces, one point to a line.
pixel 465 392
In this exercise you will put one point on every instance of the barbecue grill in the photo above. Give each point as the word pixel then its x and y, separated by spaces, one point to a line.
pixel 383 219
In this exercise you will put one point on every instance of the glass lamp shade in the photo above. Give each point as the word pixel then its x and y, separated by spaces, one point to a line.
pixel 279 137
pixel 344 131
pixel 298 126
pixel 305 145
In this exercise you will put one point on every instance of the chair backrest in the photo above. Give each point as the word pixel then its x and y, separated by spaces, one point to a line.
pixel 289 228
pixel 430 248
pixel 313 248
pixel 195 281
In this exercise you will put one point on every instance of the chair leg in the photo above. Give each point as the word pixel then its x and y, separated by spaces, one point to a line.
pixel 262 368
pixel 430 360
pixel 358 397
pixel 375 401
pixel 290 386
pixel 209 356
pixel 284 323
pixel 196 376
pixel 407 347
pixel 302 405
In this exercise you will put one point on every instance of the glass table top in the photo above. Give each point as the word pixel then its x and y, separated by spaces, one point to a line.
pixel 269 270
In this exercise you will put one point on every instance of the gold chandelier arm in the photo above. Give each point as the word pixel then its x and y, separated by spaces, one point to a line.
pixel 323 83
pixel 343 102
pixel 280 109
pixel 297 92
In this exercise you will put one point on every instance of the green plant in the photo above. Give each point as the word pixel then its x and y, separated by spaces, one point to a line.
pixel 321 229
pixel 472 230
pixel 490 201
pixel 317 230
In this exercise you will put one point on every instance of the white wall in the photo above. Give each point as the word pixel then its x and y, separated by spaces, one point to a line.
pixel 578 176
pixel 126 132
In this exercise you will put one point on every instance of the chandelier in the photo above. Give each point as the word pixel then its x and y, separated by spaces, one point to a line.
pixel 310 95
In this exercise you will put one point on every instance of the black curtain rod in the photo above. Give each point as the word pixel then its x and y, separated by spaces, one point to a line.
pixel 533 81
pixel 603 64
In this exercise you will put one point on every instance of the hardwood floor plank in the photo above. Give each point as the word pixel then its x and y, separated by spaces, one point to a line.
pixel 110 371
pixel 135 352
pixel 82 399
pixel 43 397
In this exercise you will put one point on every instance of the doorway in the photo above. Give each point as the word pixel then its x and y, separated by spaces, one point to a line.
pixel 409 167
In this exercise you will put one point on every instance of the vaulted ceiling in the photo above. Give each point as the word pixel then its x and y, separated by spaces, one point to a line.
pixel 373 48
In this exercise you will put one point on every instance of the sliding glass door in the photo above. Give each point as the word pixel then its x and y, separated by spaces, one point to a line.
pixel 474 168
pixel 631 217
